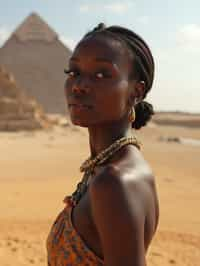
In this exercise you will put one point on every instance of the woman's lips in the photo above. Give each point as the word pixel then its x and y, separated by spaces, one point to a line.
pixel 80 106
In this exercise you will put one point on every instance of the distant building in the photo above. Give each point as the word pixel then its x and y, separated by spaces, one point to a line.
pixel 37 59
pixel 17 111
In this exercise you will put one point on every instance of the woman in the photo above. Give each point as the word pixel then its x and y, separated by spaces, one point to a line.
pixel 112 216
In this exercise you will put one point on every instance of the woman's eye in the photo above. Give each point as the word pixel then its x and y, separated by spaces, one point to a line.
pixel 102 74
pixel 99 75
pixel 71 73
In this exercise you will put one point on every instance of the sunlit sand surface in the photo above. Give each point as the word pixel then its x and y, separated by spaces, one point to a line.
pixel 39 168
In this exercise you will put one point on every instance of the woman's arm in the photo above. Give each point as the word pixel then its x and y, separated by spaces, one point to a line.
pixel 120 226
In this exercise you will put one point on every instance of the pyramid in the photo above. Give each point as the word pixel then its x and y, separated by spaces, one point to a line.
pixel 37 58
pixel 17 111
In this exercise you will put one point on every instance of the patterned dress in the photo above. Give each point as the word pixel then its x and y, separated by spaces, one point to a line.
pixel 65 247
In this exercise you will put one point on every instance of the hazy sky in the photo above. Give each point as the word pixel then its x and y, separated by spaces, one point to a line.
pixel 171 28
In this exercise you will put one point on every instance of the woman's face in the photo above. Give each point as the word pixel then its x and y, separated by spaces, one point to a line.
pixel 97 86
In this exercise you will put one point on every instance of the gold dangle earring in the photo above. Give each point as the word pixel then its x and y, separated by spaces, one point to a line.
pixel 131 115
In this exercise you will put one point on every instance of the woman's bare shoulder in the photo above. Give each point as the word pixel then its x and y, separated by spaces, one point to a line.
pixel 119 219
pixel 130 180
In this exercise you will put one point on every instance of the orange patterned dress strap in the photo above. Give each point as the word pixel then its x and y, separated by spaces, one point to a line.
pixel 65 247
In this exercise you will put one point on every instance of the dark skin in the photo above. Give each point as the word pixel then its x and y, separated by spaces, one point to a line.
pixel 118 215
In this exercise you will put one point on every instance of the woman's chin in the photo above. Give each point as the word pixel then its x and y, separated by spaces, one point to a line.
pixel 79 123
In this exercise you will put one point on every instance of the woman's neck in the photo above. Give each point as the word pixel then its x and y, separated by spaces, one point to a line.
pixel 103 135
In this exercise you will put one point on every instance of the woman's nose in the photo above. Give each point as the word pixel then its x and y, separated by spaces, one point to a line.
pixel 80 87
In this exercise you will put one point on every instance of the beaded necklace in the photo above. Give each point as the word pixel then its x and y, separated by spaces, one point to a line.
pixel 88 166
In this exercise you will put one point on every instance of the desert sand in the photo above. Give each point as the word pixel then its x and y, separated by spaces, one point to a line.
pixel 39 168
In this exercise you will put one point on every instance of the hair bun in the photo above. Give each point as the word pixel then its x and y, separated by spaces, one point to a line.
pixel 143 113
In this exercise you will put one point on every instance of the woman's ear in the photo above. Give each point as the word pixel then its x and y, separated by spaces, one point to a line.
pixel 137 92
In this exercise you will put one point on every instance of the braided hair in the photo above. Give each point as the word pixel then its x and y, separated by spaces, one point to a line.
pixel 143 65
